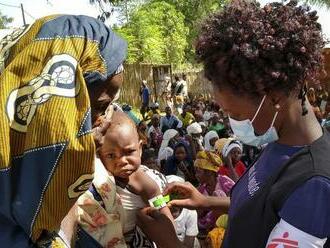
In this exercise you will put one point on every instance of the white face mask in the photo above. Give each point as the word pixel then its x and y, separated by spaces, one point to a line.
pixel 245 132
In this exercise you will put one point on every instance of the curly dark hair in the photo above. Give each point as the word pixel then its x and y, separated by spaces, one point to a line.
pixel 253 49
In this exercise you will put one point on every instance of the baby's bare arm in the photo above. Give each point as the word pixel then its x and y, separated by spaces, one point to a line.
pixel 150 189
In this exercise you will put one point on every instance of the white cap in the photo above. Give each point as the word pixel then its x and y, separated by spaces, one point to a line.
pixel 194 128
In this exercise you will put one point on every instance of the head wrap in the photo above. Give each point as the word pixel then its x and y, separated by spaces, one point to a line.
pixel 165 153
pixel 230 146
pixel 210 135
pixel 208 161
pixel 219 144
pixel 225 145
pixel 168 135
pixel 194 128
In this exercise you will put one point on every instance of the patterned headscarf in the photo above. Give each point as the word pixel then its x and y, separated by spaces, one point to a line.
pixel 208 161
pixel 210 135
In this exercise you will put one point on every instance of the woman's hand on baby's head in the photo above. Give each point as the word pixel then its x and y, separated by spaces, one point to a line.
pixel 100 131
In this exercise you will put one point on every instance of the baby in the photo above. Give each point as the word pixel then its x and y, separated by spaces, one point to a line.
pixel 119 162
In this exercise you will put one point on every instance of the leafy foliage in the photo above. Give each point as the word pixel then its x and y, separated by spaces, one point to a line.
pixel 5 20
pixel 156 34
pixel 194 12
pixel 160 31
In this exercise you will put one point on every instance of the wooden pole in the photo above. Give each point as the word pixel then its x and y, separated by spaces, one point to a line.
pixel 22 9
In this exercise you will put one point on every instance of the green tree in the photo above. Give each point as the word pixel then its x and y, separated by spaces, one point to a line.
pixel 156 34
pixel 5 20
pixel 126 8
pixel 194 12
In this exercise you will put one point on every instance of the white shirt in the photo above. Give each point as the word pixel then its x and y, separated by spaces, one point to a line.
pixel 186 224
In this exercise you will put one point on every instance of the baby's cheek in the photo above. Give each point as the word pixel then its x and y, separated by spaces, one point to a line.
pixel 111 168
pixel 136 161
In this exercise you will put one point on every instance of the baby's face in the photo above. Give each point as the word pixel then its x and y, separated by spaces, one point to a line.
pixel 121 151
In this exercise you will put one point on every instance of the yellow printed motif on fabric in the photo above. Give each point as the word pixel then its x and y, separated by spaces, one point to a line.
pixel 56 79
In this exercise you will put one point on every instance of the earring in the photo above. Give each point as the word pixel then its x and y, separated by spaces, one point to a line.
pixel 302 96
pixel 277 106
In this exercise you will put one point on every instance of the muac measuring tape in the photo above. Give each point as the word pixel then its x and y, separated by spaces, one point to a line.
pixel 159 201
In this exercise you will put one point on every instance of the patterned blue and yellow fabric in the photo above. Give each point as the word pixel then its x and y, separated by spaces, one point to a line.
pixel 46 147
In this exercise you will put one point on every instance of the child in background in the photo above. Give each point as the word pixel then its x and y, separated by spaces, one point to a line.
pixel 185 221
pixel 209 140
pixel 180 164
pixel 120 156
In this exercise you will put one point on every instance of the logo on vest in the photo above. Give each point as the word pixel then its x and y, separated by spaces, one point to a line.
pixel 283 242
pixel 253 184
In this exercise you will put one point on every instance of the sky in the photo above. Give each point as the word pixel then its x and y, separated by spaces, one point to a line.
pixel 39 8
